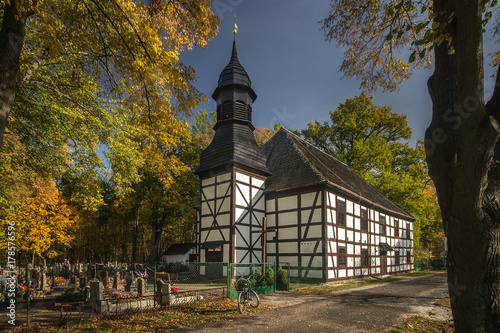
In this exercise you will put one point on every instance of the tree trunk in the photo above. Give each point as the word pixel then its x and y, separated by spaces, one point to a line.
pixel 11 43
pixel 156 231
pixel 460 146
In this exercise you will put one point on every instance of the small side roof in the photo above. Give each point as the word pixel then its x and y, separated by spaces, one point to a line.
pixel 294 162
pixel 179 248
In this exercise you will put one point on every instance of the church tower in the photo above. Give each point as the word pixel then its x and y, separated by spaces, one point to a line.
pixel 232 173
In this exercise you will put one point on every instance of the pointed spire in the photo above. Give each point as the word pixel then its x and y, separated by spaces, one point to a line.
pixel 234 54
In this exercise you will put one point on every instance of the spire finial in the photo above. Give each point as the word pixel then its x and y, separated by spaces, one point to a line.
pixel 235 30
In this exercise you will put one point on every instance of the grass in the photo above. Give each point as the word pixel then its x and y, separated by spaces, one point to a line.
pixel 420 324
pixel 328 288
pixel 158 321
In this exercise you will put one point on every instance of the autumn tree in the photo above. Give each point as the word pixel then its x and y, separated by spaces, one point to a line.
pixel 85 73
pixel 461 141
pixel 44 223
pixel 373 141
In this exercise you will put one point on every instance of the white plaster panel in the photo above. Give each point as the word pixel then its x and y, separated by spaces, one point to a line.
pixel 330 262
pixel 237 213
pixel 349 206
pixel 224 177
pixel 242 234
pixel 240 254
pixel 271 220
pixel 208 193
pixel 329 231
pixel 331 274
pixel 207 181
pixel 313 231
pixel 270 206
pixel 242 178
pixel 214 235
pixel 271 247
pixel 257 182
pixel 357 262
pixel 342 273
pixel 306 214
pixel 350 272
pixel 292 259
pixel 341 233
pixel 207 221
pixel 350 249
pixel 223 205
pixel 349 221
pixel 222 190
pixel 289 218
pixel 258 198
pixel 223 219
pixel 331 199
pixel 288 233
pixel 207 207
pixel 357 250
pixel 307 200
pixel 333 247
pixel 315 274
pixel 241 194
pixel 287 203
pixel 271 258
pixel 330 216
pixel 288 247
pixel 357 223
pixel 257 256
pixel 350 236
pixel 383 239
pixel 257 218
pixel 357 209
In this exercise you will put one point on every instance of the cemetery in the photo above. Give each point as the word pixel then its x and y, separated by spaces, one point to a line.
pixel 73 292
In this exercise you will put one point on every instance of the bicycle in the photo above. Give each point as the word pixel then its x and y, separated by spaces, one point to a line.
pixel 246 295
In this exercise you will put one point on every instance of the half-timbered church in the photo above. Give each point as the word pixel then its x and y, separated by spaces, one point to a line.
pixel 288 201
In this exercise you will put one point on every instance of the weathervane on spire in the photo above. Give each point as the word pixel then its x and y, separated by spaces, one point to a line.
pixel 235 30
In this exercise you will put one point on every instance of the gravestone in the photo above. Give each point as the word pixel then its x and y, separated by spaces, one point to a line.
pixel 83 280
pixel 44 286
pixel 74 283
pixel 117 281
pixel 163 292
pixel 141 286
pixel 104 278
pixel 129 280
pixel 95 296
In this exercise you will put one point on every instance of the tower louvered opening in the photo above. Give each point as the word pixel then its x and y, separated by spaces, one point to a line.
pixel 234 110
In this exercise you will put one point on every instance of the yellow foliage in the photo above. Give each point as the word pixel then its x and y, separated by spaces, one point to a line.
pixel 44 223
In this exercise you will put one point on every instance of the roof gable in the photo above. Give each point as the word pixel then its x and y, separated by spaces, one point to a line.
pixel 179 248
pixel 294 162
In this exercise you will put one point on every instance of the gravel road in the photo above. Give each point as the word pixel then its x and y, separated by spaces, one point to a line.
pixel 370 309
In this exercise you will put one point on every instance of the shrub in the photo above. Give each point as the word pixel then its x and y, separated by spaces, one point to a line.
pixel 282 276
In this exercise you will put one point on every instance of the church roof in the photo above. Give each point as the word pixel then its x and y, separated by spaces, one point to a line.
pixel 234 74
pixel 294 163
pixel 179 248
pixel 233 145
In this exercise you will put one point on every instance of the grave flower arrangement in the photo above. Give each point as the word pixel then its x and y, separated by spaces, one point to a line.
pixel 118 297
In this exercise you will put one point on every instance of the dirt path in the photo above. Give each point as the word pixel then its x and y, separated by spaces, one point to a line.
pixel 372 309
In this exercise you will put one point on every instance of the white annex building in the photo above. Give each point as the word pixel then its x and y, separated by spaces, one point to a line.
pixel 288 201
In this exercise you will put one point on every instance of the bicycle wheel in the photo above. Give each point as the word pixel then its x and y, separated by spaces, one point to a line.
pixel 253 298
pixel 242 305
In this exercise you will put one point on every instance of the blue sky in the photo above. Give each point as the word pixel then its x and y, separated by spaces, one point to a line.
pixel 294 71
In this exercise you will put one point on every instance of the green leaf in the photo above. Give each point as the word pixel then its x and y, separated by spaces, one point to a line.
pixel 412 57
